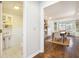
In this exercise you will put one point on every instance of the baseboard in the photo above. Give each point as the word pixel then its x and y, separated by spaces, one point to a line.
pixel 33 54
pixel 42 51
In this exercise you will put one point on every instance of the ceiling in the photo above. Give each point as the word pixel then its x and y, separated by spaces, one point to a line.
pixel 8 7
pixel 63 8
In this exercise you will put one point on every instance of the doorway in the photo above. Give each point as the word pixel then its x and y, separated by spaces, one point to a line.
pixel 12 25
pixel 59 19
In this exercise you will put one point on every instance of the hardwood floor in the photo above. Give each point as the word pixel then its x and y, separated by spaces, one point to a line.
pixel 59 51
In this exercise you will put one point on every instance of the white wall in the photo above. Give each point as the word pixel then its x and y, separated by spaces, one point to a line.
pixel 32 28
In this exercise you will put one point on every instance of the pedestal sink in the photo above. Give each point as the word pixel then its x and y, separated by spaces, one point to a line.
pixel 6 41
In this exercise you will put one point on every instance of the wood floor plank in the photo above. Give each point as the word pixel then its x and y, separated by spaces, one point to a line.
pixel 60 51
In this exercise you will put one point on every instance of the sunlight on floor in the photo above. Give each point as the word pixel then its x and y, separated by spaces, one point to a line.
pixel 71 42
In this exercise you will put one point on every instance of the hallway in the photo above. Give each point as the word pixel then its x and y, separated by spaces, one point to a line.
pixel 27 26
pixel 58 51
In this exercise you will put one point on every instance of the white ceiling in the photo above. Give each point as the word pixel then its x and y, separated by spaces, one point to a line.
pixel 60 9
pixel 8 7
